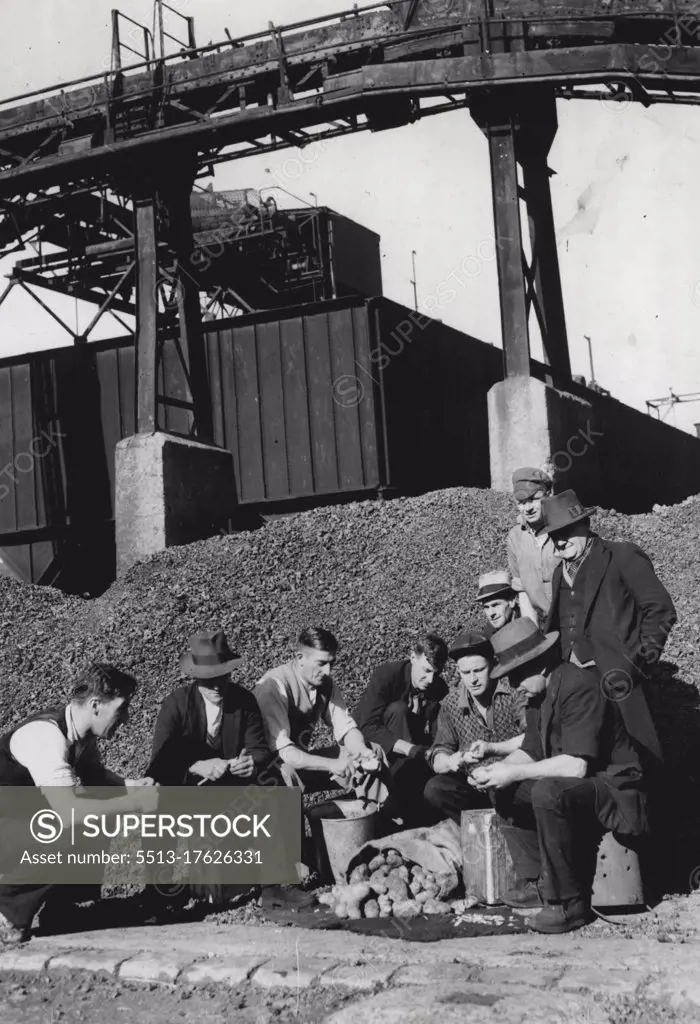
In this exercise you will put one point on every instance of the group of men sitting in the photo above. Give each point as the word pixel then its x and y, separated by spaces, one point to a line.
pixel 548 722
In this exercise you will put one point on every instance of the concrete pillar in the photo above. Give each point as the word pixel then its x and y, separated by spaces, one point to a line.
pixel 532 423
pixel 168 491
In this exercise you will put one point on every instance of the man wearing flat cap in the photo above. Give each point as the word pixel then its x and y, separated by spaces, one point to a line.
pixel 613 612
pixel 576 776
pixel 497 598
pixel 482 712
pixel 531 557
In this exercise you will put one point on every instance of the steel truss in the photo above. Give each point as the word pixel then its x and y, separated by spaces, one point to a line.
pixel 89 166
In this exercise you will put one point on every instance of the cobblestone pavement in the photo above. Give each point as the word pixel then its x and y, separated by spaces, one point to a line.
pixel 285 974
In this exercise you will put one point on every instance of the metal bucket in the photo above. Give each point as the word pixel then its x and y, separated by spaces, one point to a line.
pixel 618 877
pixel 342 836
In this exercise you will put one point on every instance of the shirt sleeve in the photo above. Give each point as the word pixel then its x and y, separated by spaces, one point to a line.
pixel 42 749
pixel 371 709
pixel 272 701
pixel 513 566
pixel 446 738
pixel 532 743
pixel 337 715
pixel 582 716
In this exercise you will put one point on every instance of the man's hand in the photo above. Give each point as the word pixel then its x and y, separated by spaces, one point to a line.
pixel 211 770
pixel 479 750
pixel 494 776
pixel 455 761
pixel 144 799
pixel 242 766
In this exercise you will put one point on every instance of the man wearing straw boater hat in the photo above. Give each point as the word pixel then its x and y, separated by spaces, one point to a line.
pixel 497 598
pixel 576 776
pixel 613 613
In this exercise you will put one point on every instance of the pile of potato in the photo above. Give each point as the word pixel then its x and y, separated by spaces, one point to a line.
pixel 388 886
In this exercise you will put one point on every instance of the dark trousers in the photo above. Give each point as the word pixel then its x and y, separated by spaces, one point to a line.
pixel 450 794
pixel 552 832
pixel 21 900
pixel 409 776
pixel 404 724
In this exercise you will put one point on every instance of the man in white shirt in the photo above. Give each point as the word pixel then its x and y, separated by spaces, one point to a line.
pixel 57 750
pixel 293 699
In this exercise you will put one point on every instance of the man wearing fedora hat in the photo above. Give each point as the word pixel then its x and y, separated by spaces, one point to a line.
pixel 497 598
pixel 209 730
pixel 613 612
pixel 531 557
pixel 575 776
pixel 481 711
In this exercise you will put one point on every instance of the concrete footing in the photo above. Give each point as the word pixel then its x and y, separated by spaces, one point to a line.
pixel 168 491
pixel 532 424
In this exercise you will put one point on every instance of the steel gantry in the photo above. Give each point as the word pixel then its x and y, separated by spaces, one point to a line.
pixel 104 167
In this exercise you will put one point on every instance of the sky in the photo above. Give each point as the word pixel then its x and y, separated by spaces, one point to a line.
pixel 626 207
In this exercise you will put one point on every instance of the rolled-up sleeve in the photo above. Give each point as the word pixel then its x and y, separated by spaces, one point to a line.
pixel 272 701
pixel 446 736
pixel 513 562
pixel 583 710
pixel 337 716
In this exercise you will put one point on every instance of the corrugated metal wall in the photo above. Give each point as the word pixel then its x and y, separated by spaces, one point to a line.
pixel 282 403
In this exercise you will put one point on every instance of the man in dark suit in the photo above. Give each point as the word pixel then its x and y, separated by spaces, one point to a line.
pixel 210 730
pixel 576 776
pixel 613 613
pixel 399 711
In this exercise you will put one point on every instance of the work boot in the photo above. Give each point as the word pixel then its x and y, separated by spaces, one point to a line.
pixel 524 895
pixel 556 918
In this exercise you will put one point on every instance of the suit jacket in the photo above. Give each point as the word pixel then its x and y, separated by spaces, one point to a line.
pixel 628 615
pixel 390 683
pixel 180 736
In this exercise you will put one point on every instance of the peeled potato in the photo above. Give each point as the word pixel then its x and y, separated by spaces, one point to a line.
pixel 377 862
pixel 341 910
pixel 433 906
pixel 371 908
pixel 406 909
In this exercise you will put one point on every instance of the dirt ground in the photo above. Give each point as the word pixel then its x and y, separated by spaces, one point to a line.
pixel 68 997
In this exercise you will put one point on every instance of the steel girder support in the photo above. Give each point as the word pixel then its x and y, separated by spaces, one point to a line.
pixel 537 130
pixel 516 136
pixel 162 206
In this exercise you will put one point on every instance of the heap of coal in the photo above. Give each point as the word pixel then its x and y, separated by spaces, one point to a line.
pixel 374 573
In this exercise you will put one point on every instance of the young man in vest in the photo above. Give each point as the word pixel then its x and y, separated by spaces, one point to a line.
pixel 293 698
pixel 56 750
pixel 399 711
pixel 576 776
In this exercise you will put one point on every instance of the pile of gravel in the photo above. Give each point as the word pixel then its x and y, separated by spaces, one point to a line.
pixel 374 573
